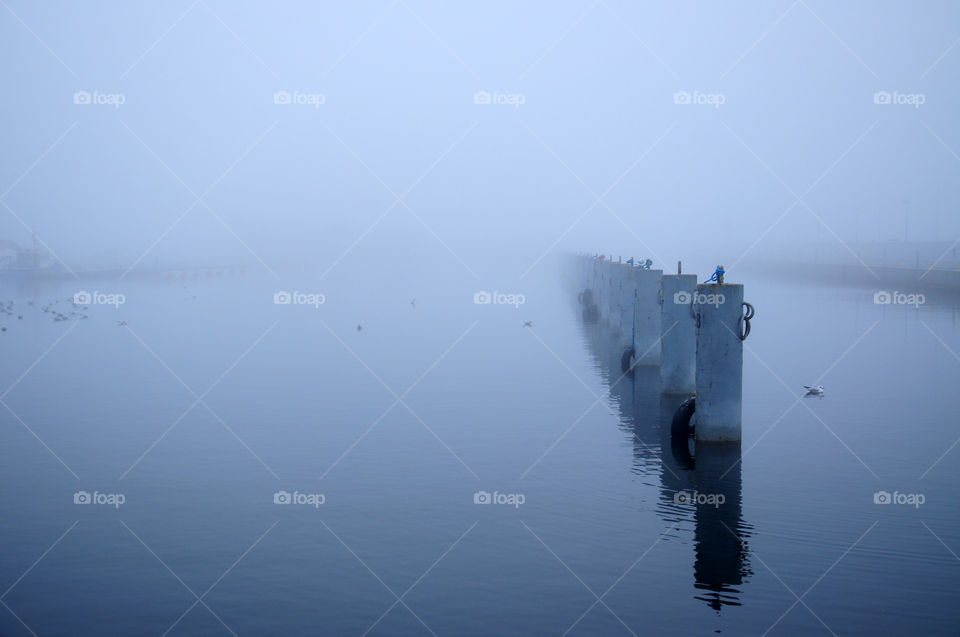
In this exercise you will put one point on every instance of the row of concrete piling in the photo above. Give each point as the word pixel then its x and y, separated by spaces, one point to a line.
pixel 692 331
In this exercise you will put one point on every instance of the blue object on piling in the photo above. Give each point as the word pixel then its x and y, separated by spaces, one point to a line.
pixel 719 356
pixel 717 276
pixel 679 334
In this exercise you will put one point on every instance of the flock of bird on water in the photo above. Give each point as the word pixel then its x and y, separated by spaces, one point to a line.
pixel 75 311
pixel 78 312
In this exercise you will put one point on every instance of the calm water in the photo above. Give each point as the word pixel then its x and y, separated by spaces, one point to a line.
pixel 212 399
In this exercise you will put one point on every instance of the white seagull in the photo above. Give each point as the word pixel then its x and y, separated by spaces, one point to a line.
pixel 814 391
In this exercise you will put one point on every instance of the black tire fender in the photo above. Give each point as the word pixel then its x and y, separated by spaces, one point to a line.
pixel 626 360
pixel 680 428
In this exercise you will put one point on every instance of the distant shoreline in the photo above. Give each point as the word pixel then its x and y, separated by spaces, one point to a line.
pixel 863 275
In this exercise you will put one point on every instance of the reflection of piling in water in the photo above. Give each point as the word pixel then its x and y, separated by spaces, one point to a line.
pixel 645 417
pixel 676 472
pixel 720 564
pixel 606 352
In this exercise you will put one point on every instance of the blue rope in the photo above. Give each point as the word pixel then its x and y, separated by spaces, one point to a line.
pixel 719 272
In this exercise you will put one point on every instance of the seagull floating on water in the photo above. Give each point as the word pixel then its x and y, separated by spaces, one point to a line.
pixel 816 390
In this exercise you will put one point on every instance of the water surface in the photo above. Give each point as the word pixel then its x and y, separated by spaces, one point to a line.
pixel 213 398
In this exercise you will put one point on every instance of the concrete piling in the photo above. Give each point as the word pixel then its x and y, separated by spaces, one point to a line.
pixel 646 315
pixel 603 290
pixel 679 334
pixel 625 304
pixel 719 362
pixel 692 332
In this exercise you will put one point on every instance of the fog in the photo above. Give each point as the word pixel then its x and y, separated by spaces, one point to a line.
pixel 295 342
pixel 389 152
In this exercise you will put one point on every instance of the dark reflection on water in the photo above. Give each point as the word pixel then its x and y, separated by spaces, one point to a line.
pixel 721 534
pixel 698 480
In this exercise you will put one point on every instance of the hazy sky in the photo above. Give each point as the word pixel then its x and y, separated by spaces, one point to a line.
pixel 589 108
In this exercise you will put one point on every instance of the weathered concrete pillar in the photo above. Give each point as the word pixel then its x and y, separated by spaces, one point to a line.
pixel 646 316
pixel 603 290
pixel 597 286
pixel 626 306
pixel 678 360
pixel 610 291
pixel 615 288
pixel 719 362
pixel 613 301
